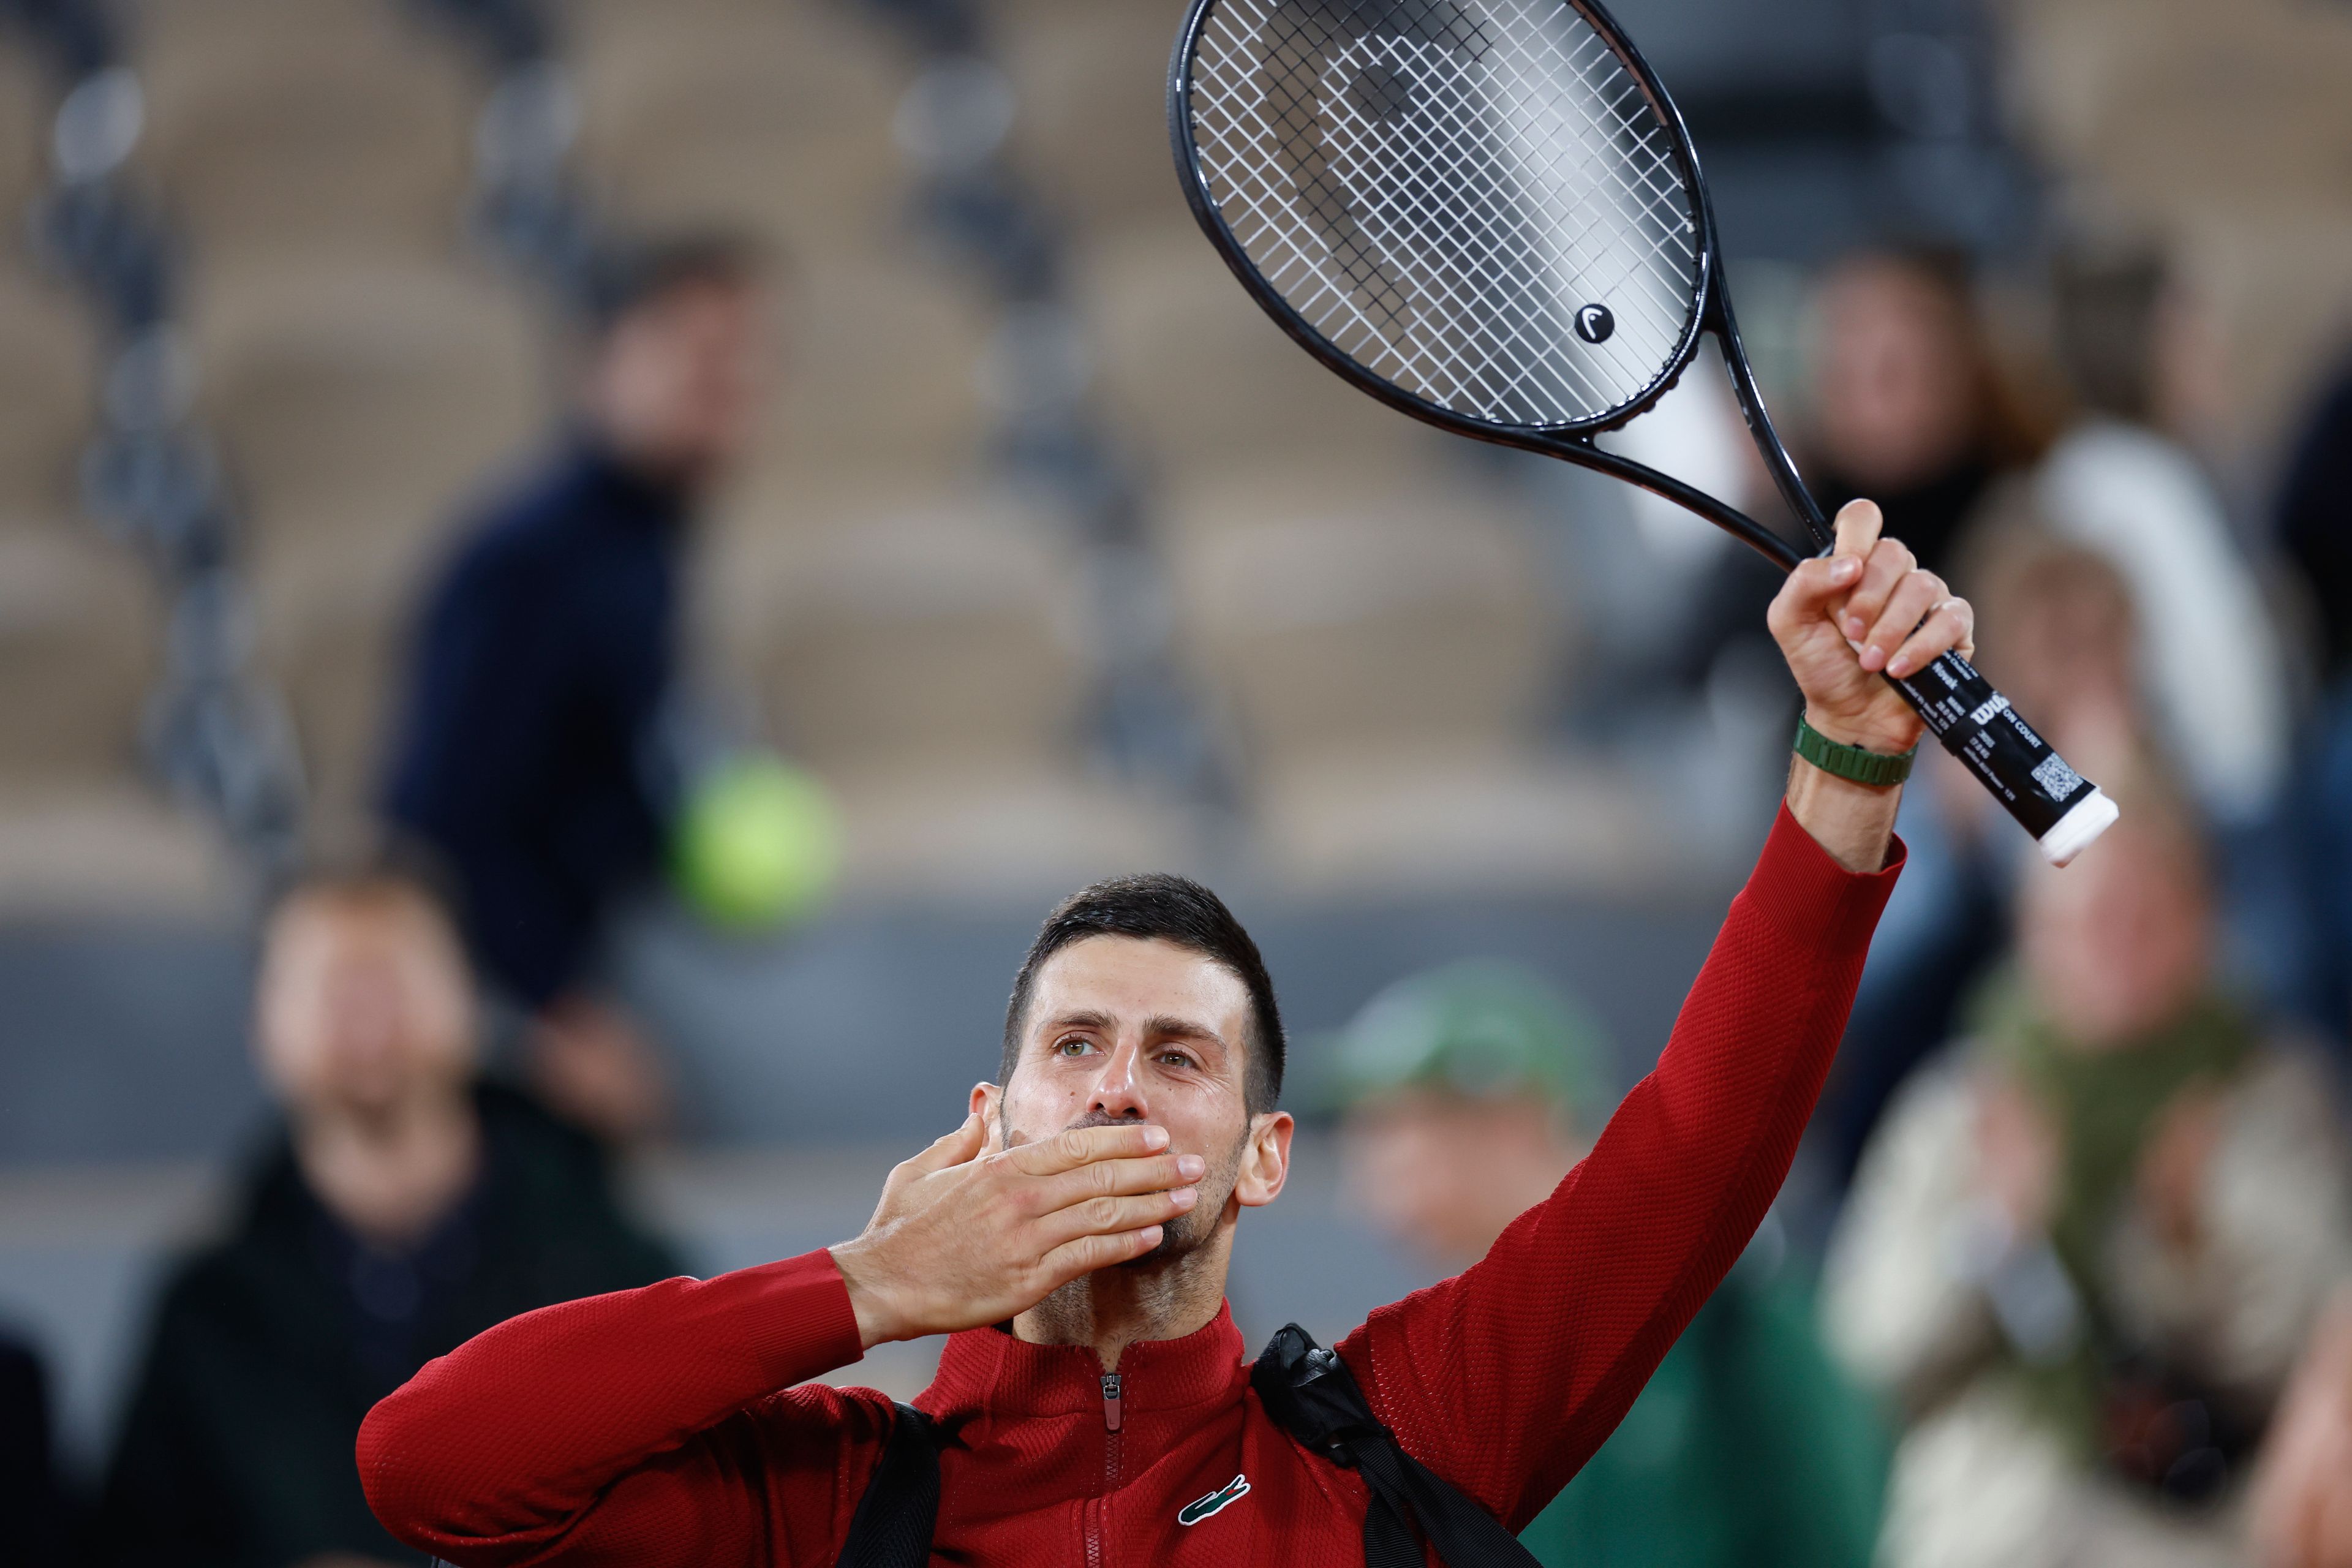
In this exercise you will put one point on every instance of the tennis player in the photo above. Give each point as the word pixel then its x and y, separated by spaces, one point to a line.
pixel 1072 1236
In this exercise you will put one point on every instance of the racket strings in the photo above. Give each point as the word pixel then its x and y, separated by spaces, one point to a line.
pixel 1488 267
pixel 1442 188
pixel 1490 253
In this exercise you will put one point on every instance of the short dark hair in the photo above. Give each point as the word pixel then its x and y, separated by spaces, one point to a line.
pixel 1158 906
pixel 380 882
pixel 633 275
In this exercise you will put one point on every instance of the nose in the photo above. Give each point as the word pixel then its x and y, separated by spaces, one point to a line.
pixel 1118 1088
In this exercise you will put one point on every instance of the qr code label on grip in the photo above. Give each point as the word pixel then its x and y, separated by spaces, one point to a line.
pixel 2054 776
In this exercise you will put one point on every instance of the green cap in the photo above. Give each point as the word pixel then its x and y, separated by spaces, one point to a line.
pixel 1484 1030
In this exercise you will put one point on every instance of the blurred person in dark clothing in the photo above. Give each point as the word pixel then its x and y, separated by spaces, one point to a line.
pixel 2122 481
pixel 2056 632
pixel 1909 406
pixel 2093 1250
pixel 2115 595
pixel 1468 1092
pixel 2315 521
pixel 529 755
pixel 1908 403
pixel 34 1517
pixel 403 1206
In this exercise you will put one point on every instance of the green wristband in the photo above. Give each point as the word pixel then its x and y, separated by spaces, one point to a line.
pixel 1875 769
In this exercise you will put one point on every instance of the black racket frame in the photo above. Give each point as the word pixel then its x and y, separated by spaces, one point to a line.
pixel 1961 709
pixel 1710 313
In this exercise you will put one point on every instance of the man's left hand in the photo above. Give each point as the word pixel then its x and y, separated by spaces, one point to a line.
pixel 1867 608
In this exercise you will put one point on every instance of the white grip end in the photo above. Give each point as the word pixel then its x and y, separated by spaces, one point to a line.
pixel 2083 822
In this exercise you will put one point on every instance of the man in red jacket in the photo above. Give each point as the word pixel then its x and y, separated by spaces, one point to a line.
pixel 1073 1235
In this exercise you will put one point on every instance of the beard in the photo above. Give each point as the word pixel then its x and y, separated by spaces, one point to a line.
pixel 1188 1231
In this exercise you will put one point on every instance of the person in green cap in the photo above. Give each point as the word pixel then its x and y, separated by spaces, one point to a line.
pixel 1466 1093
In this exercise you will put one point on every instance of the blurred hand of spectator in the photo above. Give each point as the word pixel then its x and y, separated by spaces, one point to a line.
pixel 2302 1508
pixel 590 1062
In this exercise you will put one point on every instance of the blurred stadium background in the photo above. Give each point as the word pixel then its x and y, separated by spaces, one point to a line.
pixel 1058 560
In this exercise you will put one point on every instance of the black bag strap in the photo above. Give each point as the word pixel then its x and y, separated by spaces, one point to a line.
pixel 892 1527
pixel 1311 1394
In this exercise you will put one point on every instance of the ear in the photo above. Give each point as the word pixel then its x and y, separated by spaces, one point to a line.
pixel 1265 1160
pixel 988 1104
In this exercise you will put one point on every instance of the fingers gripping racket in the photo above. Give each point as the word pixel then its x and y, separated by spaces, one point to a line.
pixel 1487 213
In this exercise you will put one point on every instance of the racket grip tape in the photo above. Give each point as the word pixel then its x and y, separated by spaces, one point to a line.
pixel 2062 809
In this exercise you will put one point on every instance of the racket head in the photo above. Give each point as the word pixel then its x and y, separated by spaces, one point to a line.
pixel 1486 213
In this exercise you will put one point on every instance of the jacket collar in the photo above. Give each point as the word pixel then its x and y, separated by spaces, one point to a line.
pixel 989 1372
pixel 635 495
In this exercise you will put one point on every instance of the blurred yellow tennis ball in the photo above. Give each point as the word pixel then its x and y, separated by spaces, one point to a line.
pixel 759 845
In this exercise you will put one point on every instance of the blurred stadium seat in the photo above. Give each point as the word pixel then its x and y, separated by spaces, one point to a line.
pixel 279 123
pixel 1092 127
pixel 359 404
pixel 47 384
pixel 1386 656
pixel 23 125
pixel 925 660
pixel 1210 387
pixel 2226 132
pixel 775 117
pixel 76 638
pixel 881 355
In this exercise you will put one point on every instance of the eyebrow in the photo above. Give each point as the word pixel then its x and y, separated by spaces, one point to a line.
pixel 1165 1026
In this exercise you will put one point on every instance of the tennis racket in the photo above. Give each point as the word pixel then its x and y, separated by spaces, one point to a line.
pixel 1487 213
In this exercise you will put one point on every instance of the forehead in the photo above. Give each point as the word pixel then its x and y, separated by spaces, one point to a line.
pixel 1137 978
pixel 322 925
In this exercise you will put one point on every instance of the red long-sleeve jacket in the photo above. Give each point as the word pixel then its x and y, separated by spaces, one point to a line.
pixel 662 1426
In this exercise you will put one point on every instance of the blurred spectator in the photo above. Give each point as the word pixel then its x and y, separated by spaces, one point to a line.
pixel 403 1207
pixel 2315 521
pixel 530 756
pixel 2057 633
pixel 2118 483
pixel 2315 526
pixel 2156 625
pixel 1909 406
pixel 32 1514
pixel 1468 1090
pixel 2087 1250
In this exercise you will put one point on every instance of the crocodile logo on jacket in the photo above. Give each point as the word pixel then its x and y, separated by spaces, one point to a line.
pixel 1193 1512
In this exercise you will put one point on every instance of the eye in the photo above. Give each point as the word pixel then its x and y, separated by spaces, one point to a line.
pixel 1175 1059
pixel 1074 1046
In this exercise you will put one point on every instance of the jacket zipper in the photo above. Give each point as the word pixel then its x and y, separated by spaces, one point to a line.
pixel 1113 1420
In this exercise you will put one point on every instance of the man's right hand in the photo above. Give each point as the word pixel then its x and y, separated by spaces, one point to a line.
pixel 963 1239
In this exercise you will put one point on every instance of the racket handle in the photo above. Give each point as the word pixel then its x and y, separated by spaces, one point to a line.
pixel 2063 810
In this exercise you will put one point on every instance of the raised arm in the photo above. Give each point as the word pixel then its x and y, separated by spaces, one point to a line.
pixel 658 1426
pixel 622 1427
pixel 1505 1378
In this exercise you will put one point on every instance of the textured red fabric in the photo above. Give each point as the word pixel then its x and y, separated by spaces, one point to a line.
pixel 660 1426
